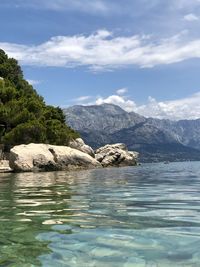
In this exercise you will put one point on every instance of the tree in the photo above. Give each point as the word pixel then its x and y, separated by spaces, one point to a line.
pixel 24 116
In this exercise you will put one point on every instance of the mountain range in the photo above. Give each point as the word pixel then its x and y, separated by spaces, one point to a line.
pixel 154 139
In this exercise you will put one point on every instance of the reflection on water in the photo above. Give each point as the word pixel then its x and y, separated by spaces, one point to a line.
pixel 140 216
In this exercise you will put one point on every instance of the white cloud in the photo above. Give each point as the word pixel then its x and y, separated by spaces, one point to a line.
pixel 86 6
pixel 185 4
pixel 121 101
pixel 122 91
pixel 100 5
pixel 116 99
pixel 82 98
pixel 103 51
pixel 191 17
pixel 185 108
pixel 33 82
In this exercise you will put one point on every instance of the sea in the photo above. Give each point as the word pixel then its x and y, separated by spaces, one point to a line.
pixel 144 216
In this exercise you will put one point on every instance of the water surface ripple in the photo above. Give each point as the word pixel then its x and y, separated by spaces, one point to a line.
pixel 147 216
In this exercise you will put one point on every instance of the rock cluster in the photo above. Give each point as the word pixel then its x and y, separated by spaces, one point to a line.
pixel 43 157
pixel 116 155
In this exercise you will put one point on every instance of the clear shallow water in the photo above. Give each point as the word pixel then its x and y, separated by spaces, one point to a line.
pixel 142 216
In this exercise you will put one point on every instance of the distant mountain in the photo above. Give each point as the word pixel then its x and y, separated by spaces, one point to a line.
pixel 155 139
pixel 107 118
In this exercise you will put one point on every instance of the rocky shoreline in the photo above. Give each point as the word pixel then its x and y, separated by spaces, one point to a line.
pixel 76 156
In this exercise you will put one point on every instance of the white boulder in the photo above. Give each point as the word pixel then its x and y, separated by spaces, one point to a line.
pixel 43 157
pixel 80 145
pixel 116 155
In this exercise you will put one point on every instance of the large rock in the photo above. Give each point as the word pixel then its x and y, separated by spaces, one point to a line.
pixel 43 157
pixel 116 155
pixel 80 145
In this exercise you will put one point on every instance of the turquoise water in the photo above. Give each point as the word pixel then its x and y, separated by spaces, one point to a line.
pixel 127 217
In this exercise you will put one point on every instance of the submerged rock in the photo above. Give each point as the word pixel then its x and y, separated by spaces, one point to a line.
pixel 116 155
pixel 80 145
pixel 43 157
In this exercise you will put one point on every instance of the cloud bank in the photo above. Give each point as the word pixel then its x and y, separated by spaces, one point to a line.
pixel 191 17
pixel 101 5
pixel 104 51
pixel 180 109
pixel 85 6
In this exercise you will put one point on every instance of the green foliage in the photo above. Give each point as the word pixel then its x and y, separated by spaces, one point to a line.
pixel 31 131
pixel 24 117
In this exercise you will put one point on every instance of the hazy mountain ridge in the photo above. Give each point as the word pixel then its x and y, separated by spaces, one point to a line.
pixel 154 138
pixel 105 117
pixel 186 132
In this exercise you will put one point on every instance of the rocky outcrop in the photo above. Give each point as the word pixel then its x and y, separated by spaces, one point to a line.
pixel 81 146
pixel 116 155
pixel 43 157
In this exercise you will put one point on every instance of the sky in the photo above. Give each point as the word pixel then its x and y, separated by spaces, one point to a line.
pixel 143 55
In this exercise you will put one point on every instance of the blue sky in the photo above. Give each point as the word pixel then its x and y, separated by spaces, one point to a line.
pixel 143 55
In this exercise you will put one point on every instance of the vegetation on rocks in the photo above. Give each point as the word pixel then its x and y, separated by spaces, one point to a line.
pixel 24 116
